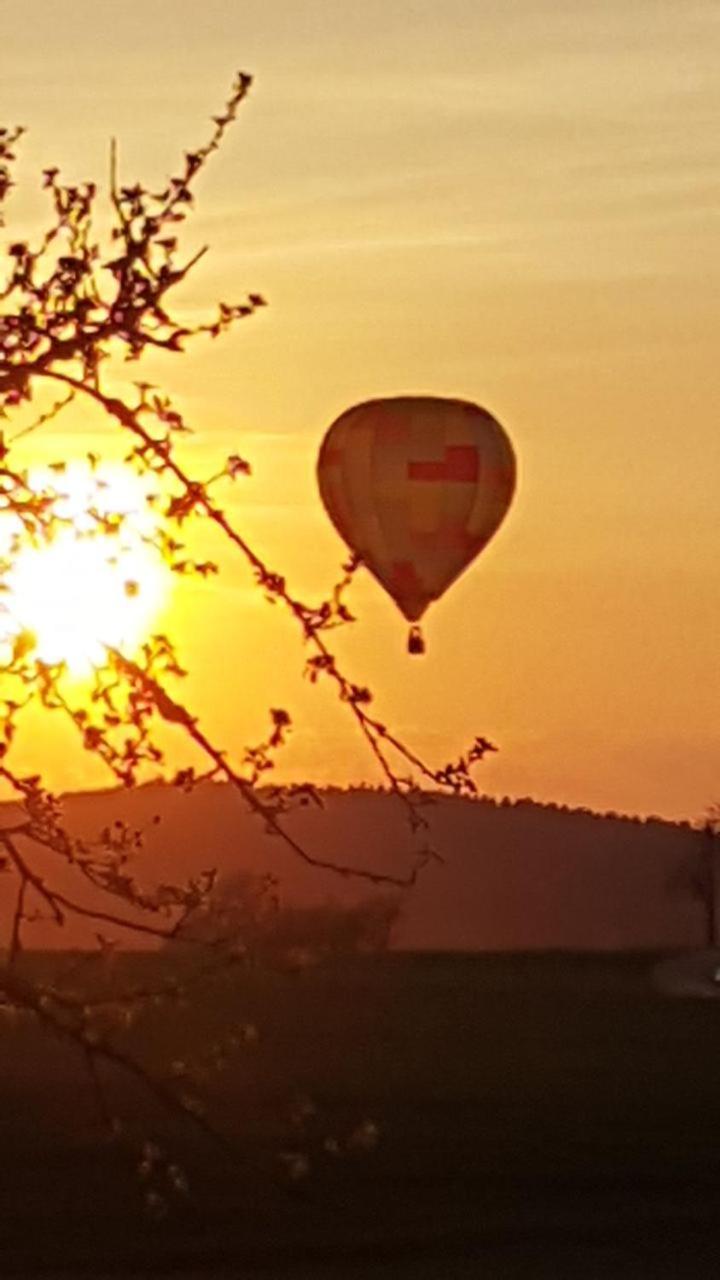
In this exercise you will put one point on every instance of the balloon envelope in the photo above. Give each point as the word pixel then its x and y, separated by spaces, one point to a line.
pixel 416 486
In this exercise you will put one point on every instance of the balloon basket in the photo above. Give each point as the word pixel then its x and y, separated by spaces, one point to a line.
pixel 416 643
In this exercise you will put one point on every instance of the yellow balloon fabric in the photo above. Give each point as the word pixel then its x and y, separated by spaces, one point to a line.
pixel 416 486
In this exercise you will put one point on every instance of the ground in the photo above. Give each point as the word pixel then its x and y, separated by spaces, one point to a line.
pixel 547 1115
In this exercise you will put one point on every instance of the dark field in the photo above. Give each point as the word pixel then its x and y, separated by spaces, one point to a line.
pixel 541 1115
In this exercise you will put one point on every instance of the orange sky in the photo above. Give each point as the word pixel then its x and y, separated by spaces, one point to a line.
pixel 516 204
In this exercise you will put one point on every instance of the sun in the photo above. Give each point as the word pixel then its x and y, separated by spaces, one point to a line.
pixel 97 582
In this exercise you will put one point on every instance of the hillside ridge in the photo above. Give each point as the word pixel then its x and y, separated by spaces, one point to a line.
pixel 362 789
pixel 512 874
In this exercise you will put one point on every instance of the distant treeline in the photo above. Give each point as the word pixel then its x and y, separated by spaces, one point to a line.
pixel 515 873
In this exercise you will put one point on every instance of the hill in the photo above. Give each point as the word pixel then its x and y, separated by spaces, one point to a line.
pixel 516 875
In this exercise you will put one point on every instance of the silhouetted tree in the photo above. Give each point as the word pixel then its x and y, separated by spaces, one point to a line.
pixel 706 877
pixel 698 877
pixel 71 301
pixel 246 912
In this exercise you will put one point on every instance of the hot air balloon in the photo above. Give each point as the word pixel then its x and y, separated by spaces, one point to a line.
pixel 416 486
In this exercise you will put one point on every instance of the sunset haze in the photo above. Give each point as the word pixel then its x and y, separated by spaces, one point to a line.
pixel 514 205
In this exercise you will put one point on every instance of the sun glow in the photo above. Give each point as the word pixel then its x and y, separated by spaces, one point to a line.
pixel 97 581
